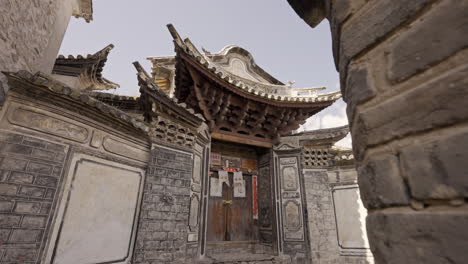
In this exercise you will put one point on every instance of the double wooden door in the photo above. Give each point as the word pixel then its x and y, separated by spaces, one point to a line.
pixel 230 218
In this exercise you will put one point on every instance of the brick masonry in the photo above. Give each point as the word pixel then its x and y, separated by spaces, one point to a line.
pixel 30 172
pixel 163 223
pixel 409 121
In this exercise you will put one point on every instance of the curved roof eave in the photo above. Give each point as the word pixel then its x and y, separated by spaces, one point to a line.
pixel 238 85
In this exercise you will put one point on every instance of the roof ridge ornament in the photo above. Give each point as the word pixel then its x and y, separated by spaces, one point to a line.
pixel 175 35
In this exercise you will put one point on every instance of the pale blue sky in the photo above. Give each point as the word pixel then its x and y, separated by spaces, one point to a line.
pixel 281 43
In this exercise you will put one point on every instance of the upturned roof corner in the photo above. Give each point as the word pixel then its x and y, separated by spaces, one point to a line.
pixel 85 10
pixel 88 69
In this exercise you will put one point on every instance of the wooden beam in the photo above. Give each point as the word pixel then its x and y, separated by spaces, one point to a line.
pixel 241 140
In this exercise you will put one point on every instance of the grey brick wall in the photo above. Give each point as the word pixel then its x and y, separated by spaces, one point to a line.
pixel 163 223
pixel 30 172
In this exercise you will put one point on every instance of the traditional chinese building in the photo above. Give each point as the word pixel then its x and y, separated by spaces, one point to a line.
pixel 204 166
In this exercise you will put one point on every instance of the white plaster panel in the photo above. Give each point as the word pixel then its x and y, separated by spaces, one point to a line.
pixel 99 216
pixel 350 218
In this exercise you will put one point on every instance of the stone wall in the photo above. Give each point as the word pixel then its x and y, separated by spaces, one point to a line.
pixel 163 223
pixel 403 69
pixel 31 33
pixel 71 184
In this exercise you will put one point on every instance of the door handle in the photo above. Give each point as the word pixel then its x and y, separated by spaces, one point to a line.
pixel 227 202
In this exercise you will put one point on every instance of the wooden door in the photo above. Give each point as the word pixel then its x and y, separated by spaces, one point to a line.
pixel 230 218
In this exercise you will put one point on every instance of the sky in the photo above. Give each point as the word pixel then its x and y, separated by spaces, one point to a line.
pixel 280 42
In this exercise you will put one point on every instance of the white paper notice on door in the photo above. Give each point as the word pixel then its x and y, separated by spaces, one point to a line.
pixel 216 189
pixel 239 184
pixel 223 177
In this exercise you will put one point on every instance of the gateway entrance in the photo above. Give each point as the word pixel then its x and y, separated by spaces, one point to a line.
pixel 240 212
pixel 231 213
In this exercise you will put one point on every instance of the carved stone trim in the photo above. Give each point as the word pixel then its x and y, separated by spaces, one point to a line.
pixel 194 212
pixel 292 216
pixel 31 119
pixel 123 149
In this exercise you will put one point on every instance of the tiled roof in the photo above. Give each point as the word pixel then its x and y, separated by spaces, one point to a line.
pixel 258 89
pixel 88 69
pixel 43 81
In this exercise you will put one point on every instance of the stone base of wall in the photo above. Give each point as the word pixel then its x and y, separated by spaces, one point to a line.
pixel 247 259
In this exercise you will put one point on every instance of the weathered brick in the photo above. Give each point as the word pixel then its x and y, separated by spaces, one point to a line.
pixel 374 23
pixel 168 226
pixel 57 171
pixel 359 89
pixel 33 142
pixel 13 164
pixel 439 30
pixel 344 9
pixel 172 174
pixel 12 138
pixel 45 209
pixel 40 168
pixel 158 235
pixel 4 175
pixel 156 255
pixel 160 172
pixel 34 222
pixel 6 206
pixel 56 147
pixel 152 226
pixel 440 236
pixel 380 182
pixel 43 154
pixel 25 235
pixel 9 220
pixel 166 244
pixel 21 178
pixel 436 103
pixel 50 194
pixel 46 181
pixel 8 189
pixel 27 207
pixel 32 191
pixel 440 169
pixel 20 255
pixel 60 157
pixel 157 188
pixel 4 235
pixel 15 148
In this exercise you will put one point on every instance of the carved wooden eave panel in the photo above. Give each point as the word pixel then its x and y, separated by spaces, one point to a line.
pixel 84 10
pixel 41 87
pixel 234 110
pixel 88 69
pixel 163 71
